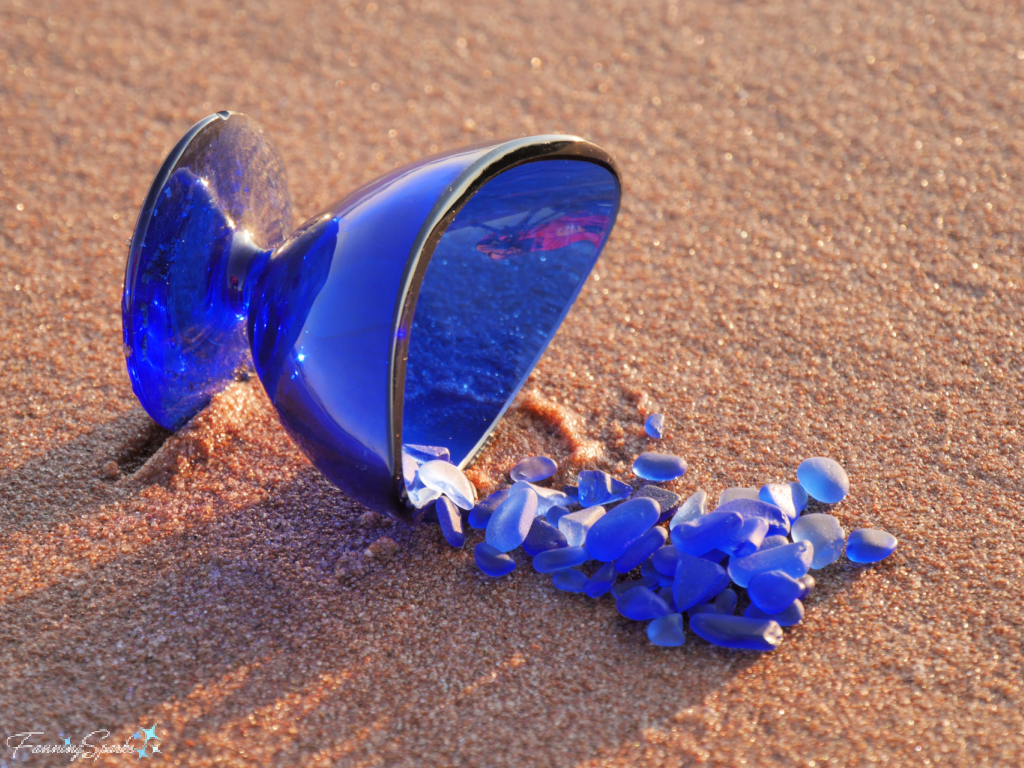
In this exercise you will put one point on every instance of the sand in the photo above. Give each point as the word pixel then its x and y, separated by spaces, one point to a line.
pixel 818 254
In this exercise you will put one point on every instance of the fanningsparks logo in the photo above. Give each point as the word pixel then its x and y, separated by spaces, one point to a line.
pixel 143 743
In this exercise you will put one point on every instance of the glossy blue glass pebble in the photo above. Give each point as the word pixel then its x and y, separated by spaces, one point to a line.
pixel 450 519
pixel 667 631
pixel 695 506
pixel 793 559
pixel 748 540
pixel 778 522
pixel 665 559
pixel 706 533
pixel 554 560
pixel 555 514
pixel 655 425
pixel 825 533
pixel 791 498
pixel 445 477
pixel 534 469
pixel 509 525
pixel 573 492
pixel 696 581
pixel 576 525
pixel 542 537
pixel 773 541
pixel 773 591
pixel 823 479
pixel 659 467
pixel 570 580
pixel 641 604
pixel 790 616
pixel 622 587
pixel 602 580
pixel 491 561
pixel 481 513
pixel 610 536
pixel 867 545
pixel 641 549
pixel 737 631
pixel 597 488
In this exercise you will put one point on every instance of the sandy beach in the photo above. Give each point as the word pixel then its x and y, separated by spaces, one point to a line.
pixel 818 253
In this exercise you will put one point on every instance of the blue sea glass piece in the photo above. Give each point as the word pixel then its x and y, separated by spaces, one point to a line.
pixel 732 494
pixel 641 604
pixel 641 549
pixel 611 535
pixel 823 479
pixel 450 519
pixel 706 533
pixel 725 602
pixel 790 616
pixel 825 533
pixel 576 525
pixel 667 631
pixel 867 545
pixel 443 476
pixel 573 492
pixel 481 513
pixel 773 591
pixel 570 580
pixel 714 555
pixel 602 580
pixel 410 312
pixel 597 488
pixel 789 497
pixel 554 560
pixel 659 467
pixel 697 581
pixel 695 506
pixel 622 587
pixel 511 521
pixel 665 593
pixel 555 514
pixel 665 559
pixel 793 559
pixel 534 469
pixel 748 540
pixel 771 542
pixel 547 498
pixel 655 425
pixel 668 501
pixel 778 522
pixel 647 569
pixel 542 537
pixel 491 561
pixel 737 631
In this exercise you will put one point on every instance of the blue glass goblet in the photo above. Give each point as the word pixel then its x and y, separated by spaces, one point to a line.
pixel 410 312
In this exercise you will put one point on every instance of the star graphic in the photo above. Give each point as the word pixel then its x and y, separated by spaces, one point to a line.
pixel 150 732
pixel 142 753
pixel 67 742
pixel 136 735
pixel 156 746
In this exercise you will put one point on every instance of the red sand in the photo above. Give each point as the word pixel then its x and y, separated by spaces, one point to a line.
pixel 819 253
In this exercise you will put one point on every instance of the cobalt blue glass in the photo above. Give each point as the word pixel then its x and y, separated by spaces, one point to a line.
pixel 410 312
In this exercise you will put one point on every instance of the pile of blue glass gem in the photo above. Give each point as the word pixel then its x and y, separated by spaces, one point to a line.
pixel 657 555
